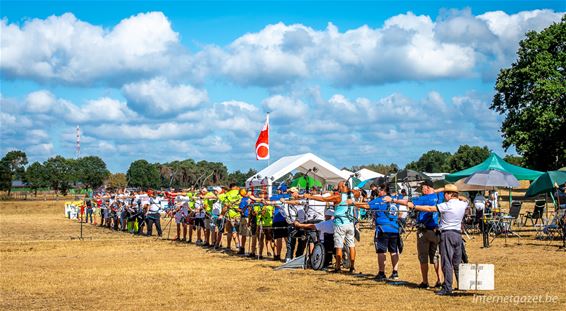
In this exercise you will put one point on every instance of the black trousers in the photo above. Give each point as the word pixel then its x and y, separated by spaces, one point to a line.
pixel 153 219
pixel 292 242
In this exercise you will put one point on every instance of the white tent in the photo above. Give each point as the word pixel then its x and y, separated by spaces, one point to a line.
pixel 305 163
pixel 347 172
pixel 365 174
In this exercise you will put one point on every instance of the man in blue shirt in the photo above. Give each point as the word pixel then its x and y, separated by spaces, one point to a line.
pixel 428 236
pixel 386 237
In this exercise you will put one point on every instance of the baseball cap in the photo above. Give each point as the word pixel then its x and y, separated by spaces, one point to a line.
pixel 427 182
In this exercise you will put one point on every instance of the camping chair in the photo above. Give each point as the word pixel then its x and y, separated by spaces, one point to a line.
pixel 537 213
pixel 515 212
pixel 553 229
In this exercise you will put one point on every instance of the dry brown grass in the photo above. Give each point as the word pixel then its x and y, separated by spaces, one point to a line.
pixel 43 268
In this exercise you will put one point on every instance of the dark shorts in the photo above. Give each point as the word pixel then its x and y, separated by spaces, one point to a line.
pixel 280 230
pixel 199 222
pixel 253 225
pixel 386 242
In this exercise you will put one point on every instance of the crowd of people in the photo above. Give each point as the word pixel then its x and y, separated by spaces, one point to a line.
pixel 248 223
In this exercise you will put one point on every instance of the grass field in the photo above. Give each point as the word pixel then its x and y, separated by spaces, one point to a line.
pixel 43 268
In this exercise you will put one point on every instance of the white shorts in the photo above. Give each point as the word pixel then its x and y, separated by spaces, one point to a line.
pixel 344 235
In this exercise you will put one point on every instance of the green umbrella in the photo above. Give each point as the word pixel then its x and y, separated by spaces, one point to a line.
pixel 301 182
pixel 546 183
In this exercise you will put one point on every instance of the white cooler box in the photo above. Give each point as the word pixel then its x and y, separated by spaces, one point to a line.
pixel 476 277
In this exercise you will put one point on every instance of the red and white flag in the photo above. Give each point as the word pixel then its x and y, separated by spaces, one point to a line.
pixel 262 143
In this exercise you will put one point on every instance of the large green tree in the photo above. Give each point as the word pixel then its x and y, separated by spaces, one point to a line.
pixel 61 173
pixel 532 96
pixel 12 166
pixel 432 161
pixel 36 176
pixel 92 171
pixel 117 181
pixel 467 156
pixel 143 174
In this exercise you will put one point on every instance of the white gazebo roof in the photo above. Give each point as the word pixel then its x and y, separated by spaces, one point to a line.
pixel 365 174
pixel 304 163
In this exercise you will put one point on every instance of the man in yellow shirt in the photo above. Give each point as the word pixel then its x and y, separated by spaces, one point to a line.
pixel 231 210
pixel 264 217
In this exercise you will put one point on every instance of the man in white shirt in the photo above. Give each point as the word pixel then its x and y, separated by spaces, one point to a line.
pixel 452 212
pixel 293 210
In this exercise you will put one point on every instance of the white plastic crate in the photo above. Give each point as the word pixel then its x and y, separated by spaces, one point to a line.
pixel 476 277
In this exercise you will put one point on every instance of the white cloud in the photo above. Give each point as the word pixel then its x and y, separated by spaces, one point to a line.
pixel 63 48
pixel 144 47
pixel 406 47
pixel 158 97
pixel 44 150
pixel 104 109
pixel 284 107
pixel 40 101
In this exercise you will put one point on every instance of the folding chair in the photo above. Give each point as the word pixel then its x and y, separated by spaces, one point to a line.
pixel 515 212
pixel 553 229
pixel 537 213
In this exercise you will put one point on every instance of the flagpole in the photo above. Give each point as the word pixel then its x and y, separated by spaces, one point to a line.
pixel 269 157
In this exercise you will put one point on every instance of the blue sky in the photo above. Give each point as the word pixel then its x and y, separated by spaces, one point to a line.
pixel 355 82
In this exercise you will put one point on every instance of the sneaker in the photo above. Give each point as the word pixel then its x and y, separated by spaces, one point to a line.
pixel 394 276
pixel 260 257
pixel 352 270
pixel 380 277
pixel 438 285
pixel 423 285
pixel 241 251
pixel 189 241
pixel 277 258
pixel 444 292
pixel 252 255
pixel 287 260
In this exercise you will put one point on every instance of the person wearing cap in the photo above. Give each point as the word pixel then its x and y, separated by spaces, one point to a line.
pixel 452 213
pixel 428 236
pixel 386 237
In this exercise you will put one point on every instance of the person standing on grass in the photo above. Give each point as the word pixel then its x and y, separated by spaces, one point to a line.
pixel 386 237
pixel 244 227
pixel 452 213
pixel 344 218
pixel 153 217
pixel 428 236
pixel 181 214
pixel 264 218
pixel 89 210
pixel 231 210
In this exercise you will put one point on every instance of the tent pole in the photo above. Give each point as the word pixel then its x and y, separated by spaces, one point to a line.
pixel 510 198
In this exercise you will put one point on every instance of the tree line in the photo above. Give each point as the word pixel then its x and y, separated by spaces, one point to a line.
pixel 61 174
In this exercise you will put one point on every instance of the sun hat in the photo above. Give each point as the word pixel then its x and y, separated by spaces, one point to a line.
pixel 293 189
pixel 450 188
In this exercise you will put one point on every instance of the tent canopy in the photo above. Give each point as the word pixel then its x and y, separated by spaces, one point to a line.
pixel 495 162
pixel 308 162
pixel 365 174
pixel 546 183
